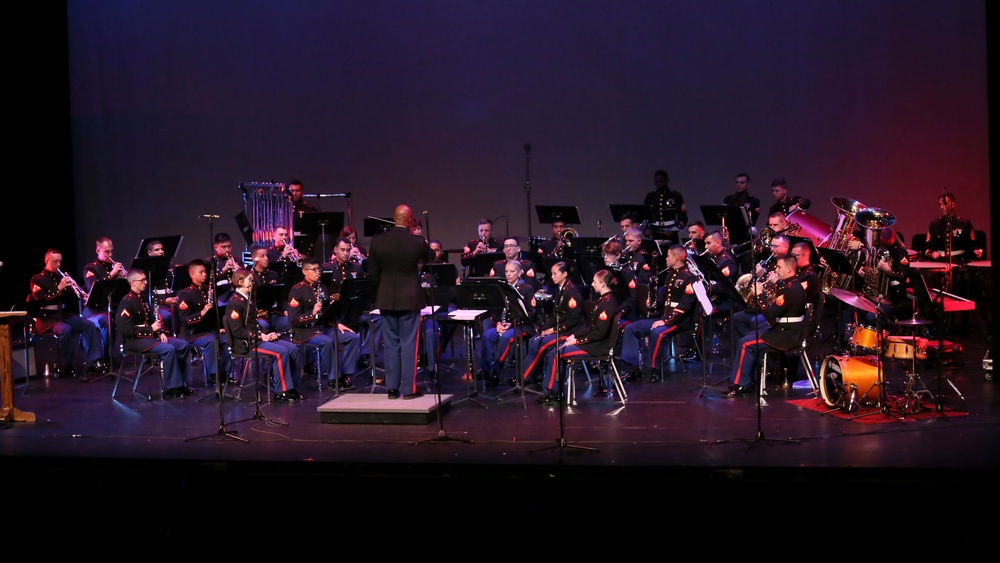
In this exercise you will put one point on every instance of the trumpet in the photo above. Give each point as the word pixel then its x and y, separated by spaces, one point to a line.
pixel 80 294
pixel 123 272
pixel 290 253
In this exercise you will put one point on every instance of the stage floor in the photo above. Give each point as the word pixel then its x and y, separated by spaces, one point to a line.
pixel 677 433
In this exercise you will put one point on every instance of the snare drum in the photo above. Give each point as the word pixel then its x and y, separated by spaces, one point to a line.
pixel 864 339
pixel 845 381
pixel 902 348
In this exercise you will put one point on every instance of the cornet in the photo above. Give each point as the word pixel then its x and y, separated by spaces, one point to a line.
pixel 290 253
pixel 72 284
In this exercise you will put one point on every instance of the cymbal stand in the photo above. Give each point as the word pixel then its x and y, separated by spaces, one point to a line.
pixel 883 397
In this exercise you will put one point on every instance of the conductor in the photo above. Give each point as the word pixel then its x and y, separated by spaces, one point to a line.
pixel 393 264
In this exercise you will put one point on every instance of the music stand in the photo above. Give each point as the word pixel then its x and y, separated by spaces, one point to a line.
pixel 551 213
pixel 171 245
pixel 640 213
pixel 321 224
pixel 110 292
pixel 267 296
pixel 720 281
pixel 481 263
pixel 157 268
pixel 475 300
pixel 587 245
pixel 375 225
pixel 518 317
pixel 733 219
pixel 445 275
pixel 590 265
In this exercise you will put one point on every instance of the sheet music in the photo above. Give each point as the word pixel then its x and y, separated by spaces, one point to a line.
pixel 429 310
pixel 466 314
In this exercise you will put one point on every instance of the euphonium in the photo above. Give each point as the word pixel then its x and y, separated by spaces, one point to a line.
pixel 876 281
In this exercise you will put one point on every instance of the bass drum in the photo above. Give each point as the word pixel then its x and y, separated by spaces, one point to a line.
pixel 807 226
pixel 843 379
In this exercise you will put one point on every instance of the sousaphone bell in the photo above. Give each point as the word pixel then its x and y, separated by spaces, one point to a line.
pixel 875 218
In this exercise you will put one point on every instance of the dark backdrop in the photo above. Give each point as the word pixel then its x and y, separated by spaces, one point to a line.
pixel 161 109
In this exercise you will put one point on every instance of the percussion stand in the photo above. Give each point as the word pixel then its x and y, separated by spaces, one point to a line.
pixel 912 396
pixel 883 398
pixel 941 377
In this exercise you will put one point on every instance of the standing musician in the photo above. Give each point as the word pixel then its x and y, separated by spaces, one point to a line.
pixel 498 338
pixel 104 268
pixel 306 302
pixel 742 198
pixel 951 232
pixel 295 192
pixel 274 319
pixel 512 253
pixel 593 337
pixel 142 332
pixel 667 207
pixel 198 320
pixel 785 315
pixel 473 248
pixel 678 315
pixel 783 202
pixel 566 318
pixel 247 337
pixel 224 265
pixel 51 289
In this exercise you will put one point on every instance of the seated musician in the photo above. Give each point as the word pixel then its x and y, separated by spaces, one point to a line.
pixel 224 264
pixel 306 302
pixel 344 266
pixel 886 282
pixel 566 318
pixel 635 258
pixel 696 237
pixel 498 337
pixel 282 257
pixel 485 243
pixel 358 253
pixel 142 332
pixel 715 245
pixel 751 318
pixel 511 253
pixel 246 336
pixel 198 322
pixel 784 316
pixel 165 296
pixel 592 337
pixel 627 289
pixel 679 313
pixel 52 289
pixel 102 269
pixel 272 319
pixel 554 245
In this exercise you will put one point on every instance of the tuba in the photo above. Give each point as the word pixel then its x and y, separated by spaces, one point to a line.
pixel 839 240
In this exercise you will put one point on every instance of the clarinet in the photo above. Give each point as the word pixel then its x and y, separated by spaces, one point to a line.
pixel 154 314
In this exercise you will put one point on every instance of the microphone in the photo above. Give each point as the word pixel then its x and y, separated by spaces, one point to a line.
pixel 209 216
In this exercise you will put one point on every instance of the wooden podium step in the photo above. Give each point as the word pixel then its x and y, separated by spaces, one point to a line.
pixel 376 408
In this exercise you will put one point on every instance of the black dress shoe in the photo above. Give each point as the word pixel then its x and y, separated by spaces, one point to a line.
pixel 511 381
pixel 287 397
pixel 416 395
pixel 345 383
pixel 737 391
pixel 98 367
pixel 548 399
pixel 602 391
pixel 185 390
pixel 295 393
pixel 654 376
pixel 691 356
pixel 173 394
pixel 68 372
pixel 393 393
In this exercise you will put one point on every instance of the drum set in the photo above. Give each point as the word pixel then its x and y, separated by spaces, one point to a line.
pixel 856 378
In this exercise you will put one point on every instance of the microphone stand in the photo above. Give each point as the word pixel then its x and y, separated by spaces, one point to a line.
pixel 219 376
pixel 563 399
pixel 442 436
pixel 527 182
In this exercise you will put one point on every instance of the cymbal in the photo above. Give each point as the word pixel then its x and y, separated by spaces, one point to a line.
pixel 875 218
pixel 913 322
pixel 853 300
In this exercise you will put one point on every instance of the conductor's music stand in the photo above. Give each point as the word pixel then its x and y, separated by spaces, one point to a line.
pixel 733 219
pixel 475 300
